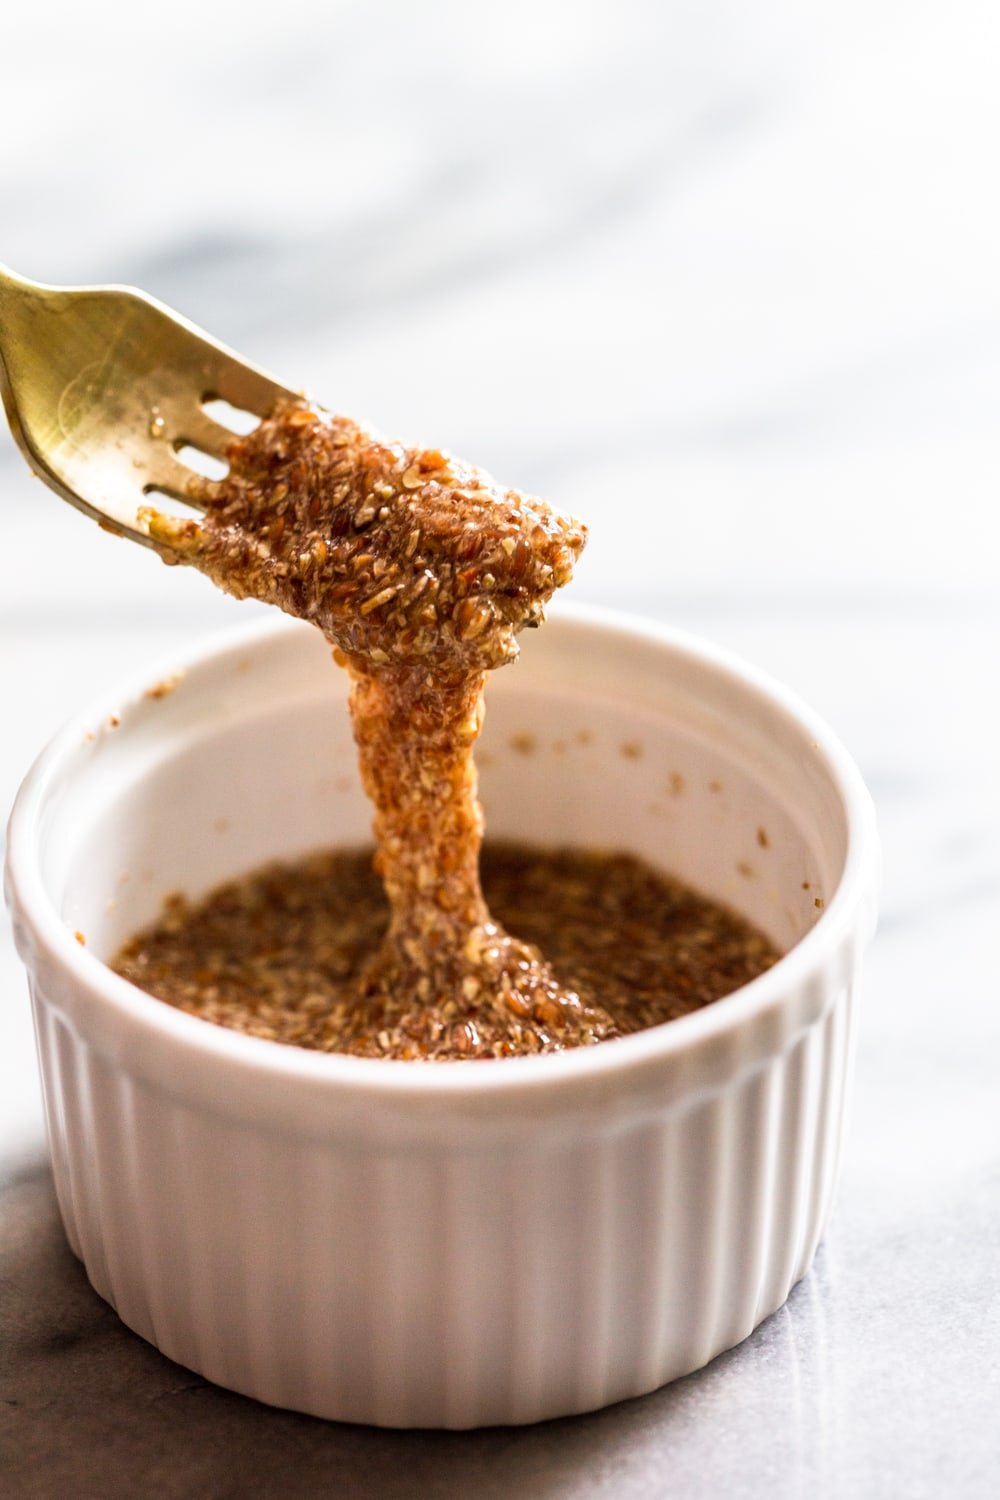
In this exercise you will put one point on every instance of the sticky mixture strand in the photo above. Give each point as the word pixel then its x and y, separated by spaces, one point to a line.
pixel 420 571
pixel 281 954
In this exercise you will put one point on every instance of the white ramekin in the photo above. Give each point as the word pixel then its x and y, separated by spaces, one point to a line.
pixel 462 1243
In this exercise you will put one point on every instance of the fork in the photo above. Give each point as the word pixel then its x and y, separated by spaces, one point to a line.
pixel 104 387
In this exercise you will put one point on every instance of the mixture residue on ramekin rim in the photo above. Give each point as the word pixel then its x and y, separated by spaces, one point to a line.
pixel 420 571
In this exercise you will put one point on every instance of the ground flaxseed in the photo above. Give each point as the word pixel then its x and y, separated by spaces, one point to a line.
pixel 420 571
pixel 284 954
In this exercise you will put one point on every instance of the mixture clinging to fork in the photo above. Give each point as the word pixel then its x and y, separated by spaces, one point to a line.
pixel 420 570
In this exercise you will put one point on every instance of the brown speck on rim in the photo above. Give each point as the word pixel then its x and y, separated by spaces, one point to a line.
pixel 584 737
pixel 523 744
pixel 762 838
pixel 114 721
pixel 244 664
pixel 631 750
pixel 80 939
pixel 818 902
pixel 677 783
pixel 806 886
pixel 89 737
pixel 742 868
pixel 715 786
pixel 165 688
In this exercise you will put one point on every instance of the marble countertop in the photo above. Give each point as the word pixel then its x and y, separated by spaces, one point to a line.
pixel 729 270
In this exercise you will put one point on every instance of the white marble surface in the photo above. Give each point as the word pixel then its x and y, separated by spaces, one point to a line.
pixel 724 270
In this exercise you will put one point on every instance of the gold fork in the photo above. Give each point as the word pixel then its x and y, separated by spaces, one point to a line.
pixel 103 388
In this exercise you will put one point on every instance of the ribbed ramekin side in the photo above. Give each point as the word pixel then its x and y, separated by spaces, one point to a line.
pixel 55 1120
pixel 837 1051
pixel 637 1256
pixel 486 1281
pixel 799 1090
pixel 87 1189
pixel 687 1231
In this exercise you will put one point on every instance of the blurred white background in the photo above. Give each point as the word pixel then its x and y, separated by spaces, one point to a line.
pixel 724 274
pixel 729 269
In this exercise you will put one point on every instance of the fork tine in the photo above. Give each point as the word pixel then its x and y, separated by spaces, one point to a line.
pixel 103 386
pixel 242 385
pixel 219 370
pixel 166 475
pixel 248 389
pixel 202 431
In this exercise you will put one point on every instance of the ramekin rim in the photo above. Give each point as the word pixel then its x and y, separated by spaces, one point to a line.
pixel 27 895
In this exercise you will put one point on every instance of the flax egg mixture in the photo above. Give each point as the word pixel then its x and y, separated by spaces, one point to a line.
pixel 420 571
